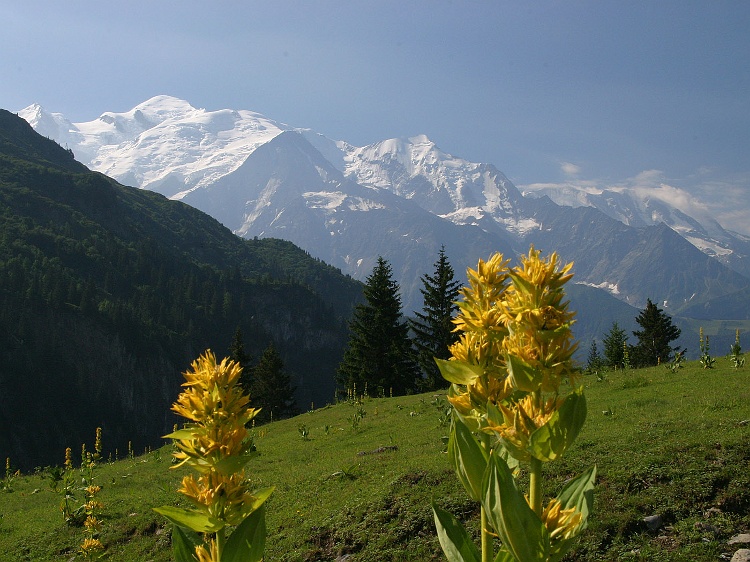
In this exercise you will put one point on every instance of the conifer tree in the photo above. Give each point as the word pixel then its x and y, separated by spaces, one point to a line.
pixel 594 361
pixel 237 353
pixel 654 339
pixel 271 388
pixel 433 328
pixel 614 347
pixel 379 355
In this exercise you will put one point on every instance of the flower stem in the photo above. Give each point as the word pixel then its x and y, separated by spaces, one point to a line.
pixel 535 486
pixel 220 540
pixel 487 548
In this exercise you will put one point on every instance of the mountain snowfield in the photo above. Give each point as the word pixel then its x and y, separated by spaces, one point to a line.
pixel 403 199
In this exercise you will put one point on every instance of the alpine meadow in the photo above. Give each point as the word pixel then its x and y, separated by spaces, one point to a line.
pixel 300 350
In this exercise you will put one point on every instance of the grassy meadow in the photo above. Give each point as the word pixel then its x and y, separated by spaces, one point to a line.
pixel 357 478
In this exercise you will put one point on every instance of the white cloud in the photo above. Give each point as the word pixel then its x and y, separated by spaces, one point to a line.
pixel 570 169
pixel 701 195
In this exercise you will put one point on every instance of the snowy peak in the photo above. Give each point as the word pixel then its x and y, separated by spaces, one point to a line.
pixel 416 169
pixel 163 144
pixel 166 145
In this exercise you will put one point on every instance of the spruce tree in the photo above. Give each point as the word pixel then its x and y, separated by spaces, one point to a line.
pixel 594 361
pixel 379 355
pixel 271 387
pixel 237 353
pixel 654 339
pixel 433 328
pixel 614 347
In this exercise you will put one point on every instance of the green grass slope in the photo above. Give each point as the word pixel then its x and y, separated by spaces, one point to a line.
pixel 358 478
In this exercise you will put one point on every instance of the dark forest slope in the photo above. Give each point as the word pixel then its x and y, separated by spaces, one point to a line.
pixel 107 293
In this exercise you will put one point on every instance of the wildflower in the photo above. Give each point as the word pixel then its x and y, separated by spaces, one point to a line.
pixel 562 524
pixel 98 444
pixel 69 459
pixel 217 445
pixel 218 407
pixel 522 419
pixel 515 349
pixel 91 547
pixel 210 554
pixel 92 505
pixel 92 524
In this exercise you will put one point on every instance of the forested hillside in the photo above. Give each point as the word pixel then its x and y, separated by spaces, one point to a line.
pixel 107 293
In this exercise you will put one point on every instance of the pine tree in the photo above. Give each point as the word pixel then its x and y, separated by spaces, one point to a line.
pixel 614 347
pixel 379 355
pixel 237 353
pixel 594 361
pixel 654 339
pixel 433 328
pixel 271 387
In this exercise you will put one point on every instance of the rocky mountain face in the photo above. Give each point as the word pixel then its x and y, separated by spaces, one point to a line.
pixel 402 199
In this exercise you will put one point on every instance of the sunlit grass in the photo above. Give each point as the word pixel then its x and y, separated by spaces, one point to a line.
pixel 670 444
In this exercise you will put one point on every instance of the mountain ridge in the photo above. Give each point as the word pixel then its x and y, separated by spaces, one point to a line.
pixel 465 201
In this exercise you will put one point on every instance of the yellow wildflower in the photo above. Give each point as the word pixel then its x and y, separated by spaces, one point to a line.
pixel 91 546
pixel 210 554
pixel 216 404
pixel 92 524
pixel 521 420
pixel 221 496
pixel 561 523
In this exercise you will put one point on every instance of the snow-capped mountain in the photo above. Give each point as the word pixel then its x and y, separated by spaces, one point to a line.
pixel 399 198
pixel 640 207
pixel 163 144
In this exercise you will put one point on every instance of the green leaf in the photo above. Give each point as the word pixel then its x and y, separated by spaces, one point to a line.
pixel 504 556
pixel 183 547
pixel 579 493
pixel 553 438
pixel 522 285
pixel 194 520
pixel 520 529
pixel 454 540
pixel 458 372
pixel 234 463
pixel 494 415
pixel 186 433
pixel 248 540
pixel 512 462
pixel 468 458
pixel 523 376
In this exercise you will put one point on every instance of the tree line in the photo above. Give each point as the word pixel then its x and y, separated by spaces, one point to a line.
pixel 390 355
pixel 653 346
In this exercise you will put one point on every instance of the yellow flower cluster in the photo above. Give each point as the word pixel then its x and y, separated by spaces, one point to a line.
pixel 521 419
pixel 481 337
pixel 210 554
pixel 217 406
pixel 216 437
pixel 562 524
pixel 538 322
pixel 91 547
pixel 515 327
pixel 221 496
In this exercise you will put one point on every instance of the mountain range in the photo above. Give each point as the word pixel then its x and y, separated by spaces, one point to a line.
pixel 402 199
pixel 108 293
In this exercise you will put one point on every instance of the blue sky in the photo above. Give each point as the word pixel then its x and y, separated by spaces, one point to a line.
pixel 595 92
